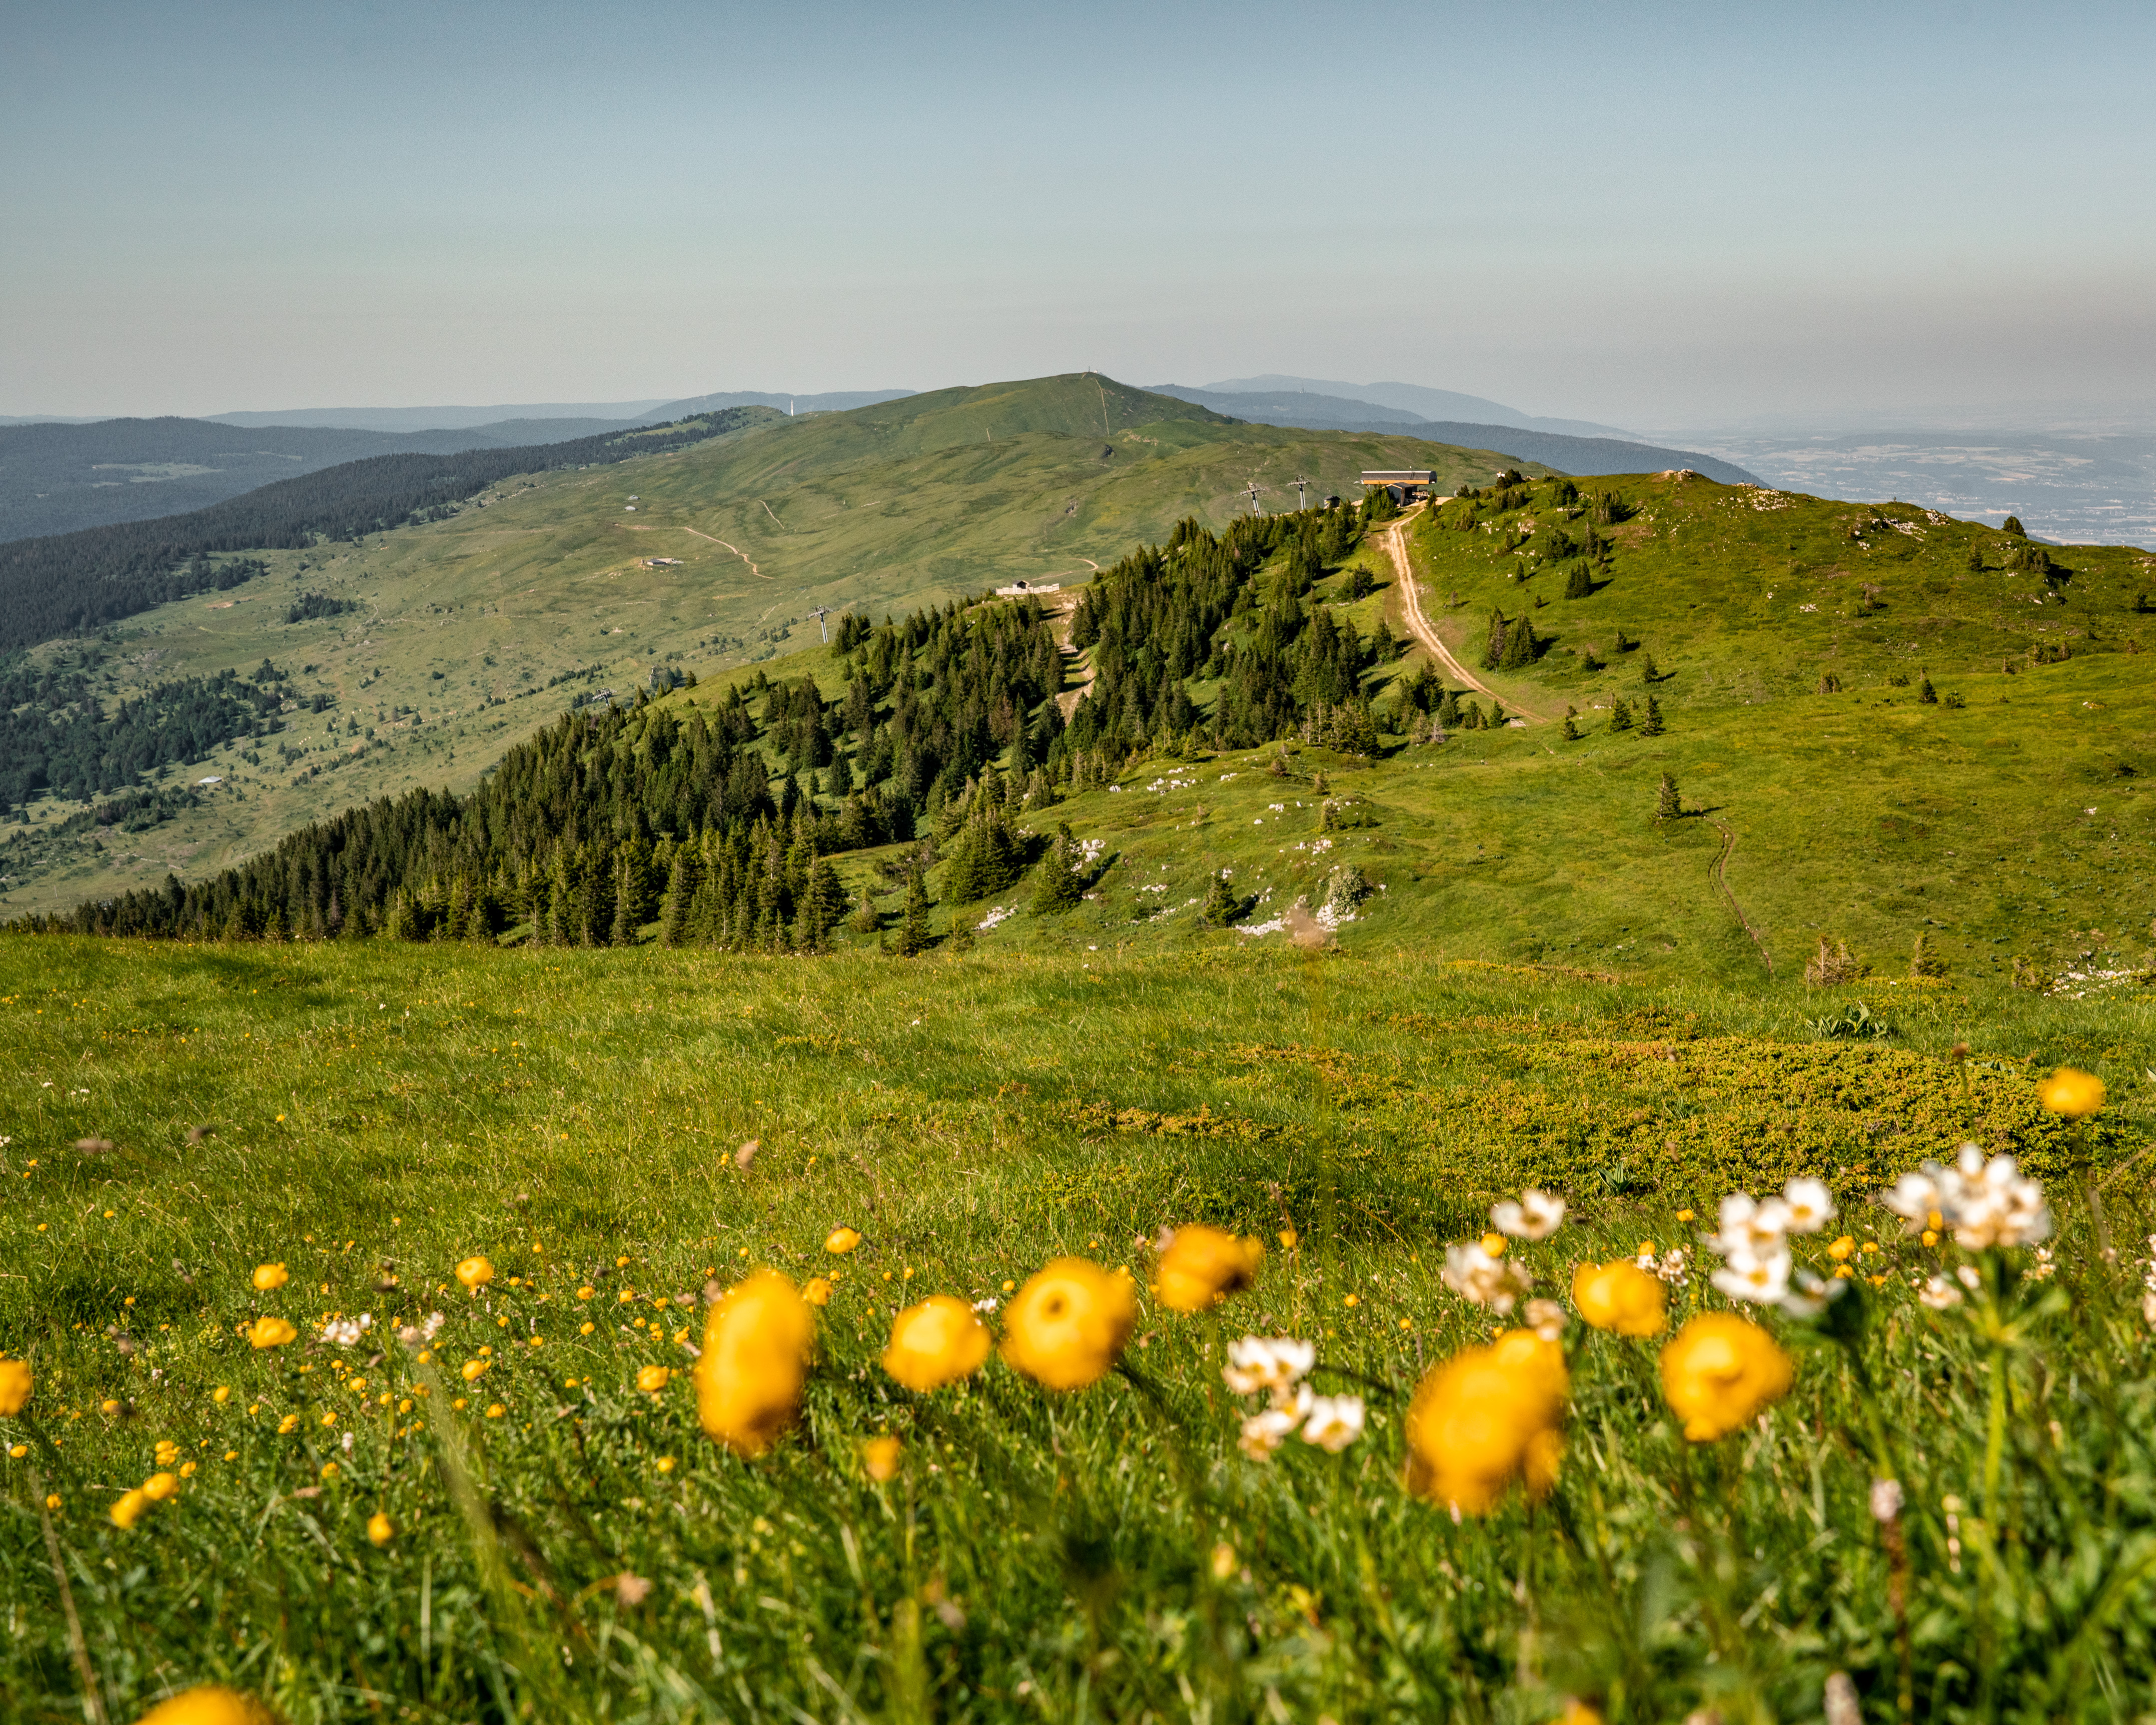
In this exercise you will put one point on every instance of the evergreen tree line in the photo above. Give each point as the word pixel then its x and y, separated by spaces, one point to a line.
pixel 56 735
pixel 715 819
pixel 67 584
pixel 1228 608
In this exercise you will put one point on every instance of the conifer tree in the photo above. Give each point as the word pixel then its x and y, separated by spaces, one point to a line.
pixel 1579 584
pixel 1927 695
pixel 1668 804
pixel 1651 721
pixel 1057 884
pixel 1571 724
pixel 1648 671
pixel 680 889
pixel 913 924
pixel 864 920
pixel 1221 906
pixel 1620 714
pixel 1448 710
pixel 1493 650
pixel 1520 645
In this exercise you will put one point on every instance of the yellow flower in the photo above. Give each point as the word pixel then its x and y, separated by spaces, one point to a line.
pixel 129 1509
pixel 1485 1417
pixel 328 1470
pixel 1069 1323
pixel 288 1424
pixel 1620 1297
pixel 937 1343
pixel 1579 1712
pixel 1718 1371
pixel 1684 1215
pixel 1842 1250
pixel 471 1369
pixel 880 1458
pixel 210 1705
pixel 586 1327
pixel 1203 1266
pixel 2071 1093
pixel 1288 1237
pixel 755 1353
pixel 494 1410
pixel 108 1406
pixel 221 1395
pixel 474 1273
pixel 380 1529
pixel 52 1500
pixel 167 1452
pixel 187 1469
pixel 1493 1245
pixel 16 1452
pixel 15 1382
pixel 841 1240
pixel 269 1277
pixel 271 1333
pixel 653 1379
pixel 160 1485
pixel 818 1291
pixel 1223 1561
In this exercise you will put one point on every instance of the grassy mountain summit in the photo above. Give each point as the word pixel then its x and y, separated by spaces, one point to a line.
pixel 459 634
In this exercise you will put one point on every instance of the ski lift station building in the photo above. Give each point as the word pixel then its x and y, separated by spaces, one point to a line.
pixel 1407 485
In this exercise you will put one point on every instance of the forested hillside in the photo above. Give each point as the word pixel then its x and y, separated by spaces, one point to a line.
pixel 72 582
pixel 62 479
pixel 713 816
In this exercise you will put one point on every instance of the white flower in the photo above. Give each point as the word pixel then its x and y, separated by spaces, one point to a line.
pixel 1940 1294
pixel 346 1331
pixel 1265 1432
pixel 1986 1204
pixel 1996 1206
pixel 1761 1278
pixel 2148 1308
pixel 1748 1225
pixel 1967 1276
pixel 1276 1363
pixel 1547 1318
pixel 1885 1500
pixel 987 1305
pixel 1808 1296
pixel 1675 1268
pixel 1334 1422
pixel 1810 1205
pixel 1536 1216
pixel 2042 1269
pixel 1916 1197
pixel 1474 1274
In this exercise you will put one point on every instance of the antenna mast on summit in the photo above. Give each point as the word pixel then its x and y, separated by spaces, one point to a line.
pixel 818 614
pixel 1255 509
pixel 1301 502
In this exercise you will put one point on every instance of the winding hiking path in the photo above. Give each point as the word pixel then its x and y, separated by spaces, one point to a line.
pixel 663 527
pixel 1420 627
pixel 1720 875
pixel 1064 610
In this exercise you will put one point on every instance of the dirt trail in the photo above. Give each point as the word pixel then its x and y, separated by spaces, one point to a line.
pixel 657 527
pixel 1419 625
pixel 1060 622
pixel 1719 873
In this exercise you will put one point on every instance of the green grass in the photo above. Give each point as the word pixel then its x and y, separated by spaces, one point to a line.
pixel 464 624
pixel 381 1112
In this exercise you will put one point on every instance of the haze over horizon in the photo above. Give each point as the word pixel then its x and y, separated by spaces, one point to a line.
pixel 1656 218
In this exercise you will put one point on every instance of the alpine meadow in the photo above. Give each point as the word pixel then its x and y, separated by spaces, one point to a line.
pixel 1022 1053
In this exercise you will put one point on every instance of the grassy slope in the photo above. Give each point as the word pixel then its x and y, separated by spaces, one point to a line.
pixel 384 1111
pixel 910 502
pixel 2018 824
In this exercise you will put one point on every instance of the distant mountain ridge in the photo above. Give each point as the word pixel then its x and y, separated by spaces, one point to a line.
pixel 1582 456
pixel 1418 402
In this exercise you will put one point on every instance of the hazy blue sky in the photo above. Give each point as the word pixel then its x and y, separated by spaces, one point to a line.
pixel 1644 214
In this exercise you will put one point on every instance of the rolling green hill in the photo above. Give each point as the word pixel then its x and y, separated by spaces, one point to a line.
pixel 468 633
pixel 1931 744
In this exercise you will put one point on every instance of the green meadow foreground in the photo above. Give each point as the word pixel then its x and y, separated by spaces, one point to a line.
pixel 517 1513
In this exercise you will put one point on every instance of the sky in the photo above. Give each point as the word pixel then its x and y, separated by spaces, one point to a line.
pixel 1645 215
